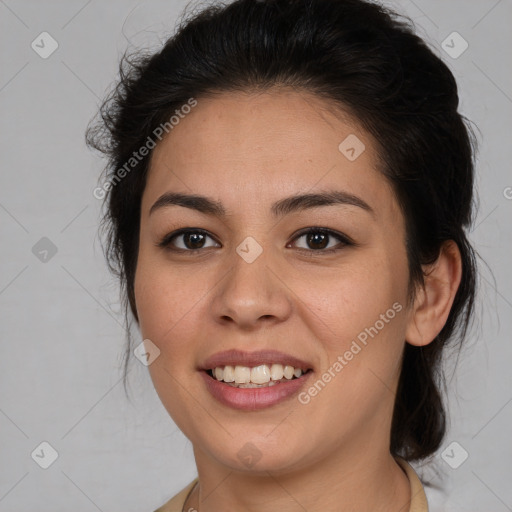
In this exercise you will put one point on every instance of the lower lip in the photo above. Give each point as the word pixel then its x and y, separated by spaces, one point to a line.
pixel 252 399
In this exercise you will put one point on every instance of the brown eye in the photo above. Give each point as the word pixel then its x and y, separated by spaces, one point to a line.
pixel 194 240
pixel 323 240
pixel 317 240
pixel 189 240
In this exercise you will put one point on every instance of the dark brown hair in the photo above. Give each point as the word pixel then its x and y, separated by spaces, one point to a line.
pixel 356 55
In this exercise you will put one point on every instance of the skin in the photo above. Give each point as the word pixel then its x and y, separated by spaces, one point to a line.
pixel 248 150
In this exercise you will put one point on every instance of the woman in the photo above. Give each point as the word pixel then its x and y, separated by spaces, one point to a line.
pixel 288 192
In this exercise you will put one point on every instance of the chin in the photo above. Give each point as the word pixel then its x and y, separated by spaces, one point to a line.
pixel 255 454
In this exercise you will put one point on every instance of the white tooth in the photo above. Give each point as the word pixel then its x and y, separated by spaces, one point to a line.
pixel 297 372
pixel 260 374
pixel 276 371
pixel 219 373
pixel 229 374
pixel 288 372
pixel 242 374
pixel 252 385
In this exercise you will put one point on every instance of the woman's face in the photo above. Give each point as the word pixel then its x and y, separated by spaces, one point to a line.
pixel 256 283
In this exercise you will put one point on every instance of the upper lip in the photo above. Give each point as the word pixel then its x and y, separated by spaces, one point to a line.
pixel 236 357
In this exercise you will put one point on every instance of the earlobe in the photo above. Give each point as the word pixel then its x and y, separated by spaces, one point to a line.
pixel 434 301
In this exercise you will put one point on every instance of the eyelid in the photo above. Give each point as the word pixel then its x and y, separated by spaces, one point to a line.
pixel 166 240
pixel 343 239
pixel 322 229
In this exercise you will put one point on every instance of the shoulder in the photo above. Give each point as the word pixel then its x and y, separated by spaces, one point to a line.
pixel 418 498
pixel 175 504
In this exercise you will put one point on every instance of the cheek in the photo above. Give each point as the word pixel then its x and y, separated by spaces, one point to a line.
pixel 168 305
pixel 343 303
pixel 172 305
pixel 164 296
pixel 359 319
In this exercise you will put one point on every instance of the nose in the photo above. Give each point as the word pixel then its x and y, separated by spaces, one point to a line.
pixel 252 294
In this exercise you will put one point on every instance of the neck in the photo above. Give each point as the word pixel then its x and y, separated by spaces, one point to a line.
pixel 343 481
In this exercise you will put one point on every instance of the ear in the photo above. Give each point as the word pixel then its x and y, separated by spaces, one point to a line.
pixel 433 302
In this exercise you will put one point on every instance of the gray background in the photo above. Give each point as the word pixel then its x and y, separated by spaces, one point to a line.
pixel 61 332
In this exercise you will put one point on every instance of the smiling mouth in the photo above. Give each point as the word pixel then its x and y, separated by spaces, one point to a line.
pixel 261 376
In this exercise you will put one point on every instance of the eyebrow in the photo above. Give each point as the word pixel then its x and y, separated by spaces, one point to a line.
pixel 280 208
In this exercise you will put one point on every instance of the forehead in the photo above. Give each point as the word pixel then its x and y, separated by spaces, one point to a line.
pixel 245 148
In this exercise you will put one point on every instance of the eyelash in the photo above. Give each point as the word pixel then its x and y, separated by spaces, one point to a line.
pixel 345 241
